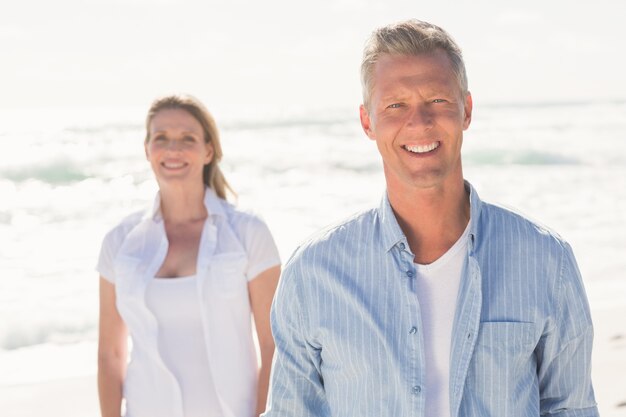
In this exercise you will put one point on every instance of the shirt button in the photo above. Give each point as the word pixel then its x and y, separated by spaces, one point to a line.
pixel 413 330
pixel 409 273
pixel 401 245
pixel 417 389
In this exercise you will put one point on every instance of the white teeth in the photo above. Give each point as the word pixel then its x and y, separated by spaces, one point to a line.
pixel 422 149
pixel 173 165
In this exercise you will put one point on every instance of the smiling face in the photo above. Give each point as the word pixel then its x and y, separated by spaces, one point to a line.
pixel 176 147
pixel 417 114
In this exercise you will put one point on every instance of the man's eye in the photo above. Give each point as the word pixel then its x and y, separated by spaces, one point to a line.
pixel 394 106
pixel 439 100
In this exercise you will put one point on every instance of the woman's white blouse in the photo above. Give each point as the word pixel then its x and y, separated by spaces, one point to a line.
pixel 235 247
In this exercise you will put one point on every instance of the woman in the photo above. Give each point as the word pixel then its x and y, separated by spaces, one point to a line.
pixel 184 280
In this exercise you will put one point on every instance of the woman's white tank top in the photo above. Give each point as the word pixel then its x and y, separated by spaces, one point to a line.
pixel 174 302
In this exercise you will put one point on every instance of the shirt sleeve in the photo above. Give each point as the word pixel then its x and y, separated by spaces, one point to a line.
pixel 260 248
pixel 108 250
pixel 296 384
pixel 564 356
pixel 111 244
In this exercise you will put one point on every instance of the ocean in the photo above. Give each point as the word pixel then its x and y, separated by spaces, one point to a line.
pixel 69 175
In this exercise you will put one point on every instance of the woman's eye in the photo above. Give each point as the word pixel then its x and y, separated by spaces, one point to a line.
pixel 189 139
pixel 159 138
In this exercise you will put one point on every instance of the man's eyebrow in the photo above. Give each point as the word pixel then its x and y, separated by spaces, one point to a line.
pixel 394 96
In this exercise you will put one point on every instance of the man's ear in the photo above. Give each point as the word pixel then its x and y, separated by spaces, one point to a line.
pixel 467 106
pixel 366 122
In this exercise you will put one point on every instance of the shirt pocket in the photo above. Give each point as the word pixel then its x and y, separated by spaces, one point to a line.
pixel 502 364
pixel 227 273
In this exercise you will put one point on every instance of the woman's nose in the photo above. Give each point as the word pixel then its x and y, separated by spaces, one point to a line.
pixel 174 145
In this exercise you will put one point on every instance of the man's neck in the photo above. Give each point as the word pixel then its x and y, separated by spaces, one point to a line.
pixel 432 219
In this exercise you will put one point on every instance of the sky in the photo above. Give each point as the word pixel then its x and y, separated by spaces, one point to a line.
pixel 255 56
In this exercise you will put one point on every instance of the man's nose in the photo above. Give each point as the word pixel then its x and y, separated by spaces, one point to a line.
pixel 420 118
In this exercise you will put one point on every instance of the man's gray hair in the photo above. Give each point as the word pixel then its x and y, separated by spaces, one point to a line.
pixel 411 37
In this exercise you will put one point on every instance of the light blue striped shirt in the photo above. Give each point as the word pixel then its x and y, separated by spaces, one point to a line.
pixel 345 318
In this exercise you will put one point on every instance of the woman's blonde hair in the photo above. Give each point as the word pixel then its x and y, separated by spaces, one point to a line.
pixel 212 175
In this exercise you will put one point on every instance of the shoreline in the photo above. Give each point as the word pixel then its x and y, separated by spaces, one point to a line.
pixel 68 397
pixel 59 395
pixel 77 396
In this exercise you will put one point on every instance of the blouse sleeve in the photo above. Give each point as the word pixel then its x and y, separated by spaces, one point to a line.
pixel 260 248
pixel 111 244
pixel 108 250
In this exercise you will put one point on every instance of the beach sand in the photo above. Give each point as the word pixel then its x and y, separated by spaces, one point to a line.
pixel 71 397
pixel 609 361
pixel 77 397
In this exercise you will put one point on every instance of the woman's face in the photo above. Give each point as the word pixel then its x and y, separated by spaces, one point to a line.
pixel 176 148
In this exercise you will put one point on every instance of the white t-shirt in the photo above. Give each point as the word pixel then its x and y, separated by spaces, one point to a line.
pixel 437 290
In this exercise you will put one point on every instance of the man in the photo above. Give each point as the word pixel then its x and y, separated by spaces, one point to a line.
pixel 435 303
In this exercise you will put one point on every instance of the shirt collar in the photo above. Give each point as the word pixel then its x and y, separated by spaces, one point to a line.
pixel 392 233
pixel 214 205
pixel 476 205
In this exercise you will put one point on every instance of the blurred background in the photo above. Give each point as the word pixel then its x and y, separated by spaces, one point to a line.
pixel 282 80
